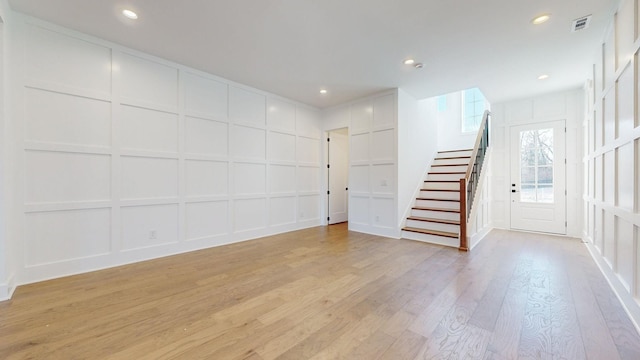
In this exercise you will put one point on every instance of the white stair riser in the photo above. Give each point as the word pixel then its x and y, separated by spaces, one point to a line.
pixel 458 168
pixel 433 226
pixel 435 214
pixel 441 186
pixel 445 177
pixel 462 162
pixel 440 194
pixel 455 153
pixel 438 204
pixel 432 239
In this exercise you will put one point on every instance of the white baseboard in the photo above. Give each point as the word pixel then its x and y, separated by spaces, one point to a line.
pixel 7 289
pixel 478 236
pixel 626 299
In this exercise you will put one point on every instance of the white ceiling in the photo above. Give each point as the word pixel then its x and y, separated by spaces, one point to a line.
pixel 354 47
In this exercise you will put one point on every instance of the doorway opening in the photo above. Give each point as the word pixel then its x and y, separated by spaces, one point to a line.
pixel 538 182
pixel 337 176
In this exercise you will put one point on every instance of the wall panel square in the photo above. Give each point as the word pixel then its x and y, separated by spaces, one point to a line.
pixel 66 61
pixel 147 226
pixel 625 251
pixel 625 178
pixel 144 129
pixel 281 147
pixel 599 179
pixel 599 230
pixel 609 170
pixel 248 143
pixel 609 57
pixel 206 137
pixel 610 116
pixel 246 106
pixel 625 107
pixel 383 212
pixel 385 145
pixel 308 150
pixel 599 126
pixel 361 116
pixel 359 210
pixel 384 111
pixel 550 107
pixel 66 177
pixel 307 123
pixel 359 178
pixel 281 115
pixel 206 178
pixel 383 179
pixel 309 207
pixel 64 235
pixel 359 148
pixel 206 219
pixel 205 97
pixel 625 32
pixel 149 178
pixel 249 214
pixel 282 210
pixel 282 179
pixel 308 179
pixel 148 82
pixel 66 119
pixel 249 179
pixel 609 246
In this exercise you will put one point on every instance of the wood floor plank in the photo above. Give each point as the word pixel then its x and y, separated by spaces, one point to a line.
pixel 328 293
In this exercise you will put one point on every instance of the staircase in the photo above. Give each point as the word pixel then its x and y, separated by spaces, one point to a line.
pixel 435 216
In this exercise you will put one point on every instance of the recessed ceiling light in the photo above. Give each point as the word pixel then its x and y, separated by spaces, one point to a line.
pixel 130 14
pixel 409 62
pixel 543 77
pixel 540 19
pixel 323 91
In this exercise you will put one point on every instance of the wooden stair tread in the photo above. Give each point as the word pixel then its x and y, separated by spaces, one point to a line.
pixel 438 165
pixel 448 190
pixel 442 181
pixel 452 157
pixel 440 221
pixel 431 232
pixel 435 209
pixel 434 199
pixel 448 172
pixel 450 151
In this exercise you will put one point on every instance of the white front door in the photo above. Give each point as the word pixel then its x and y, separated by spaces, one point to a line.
pixel 338 176
pixel 538 187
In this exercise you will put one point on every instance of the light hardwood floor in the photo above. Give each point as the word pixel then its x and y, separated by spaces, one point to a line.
pixel 326 293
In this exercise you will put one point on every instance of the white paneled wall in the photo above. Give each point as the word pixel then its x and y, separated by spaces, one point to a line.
pixel 373 187
pixel 612 161
pixel 373 154
pixel 128 157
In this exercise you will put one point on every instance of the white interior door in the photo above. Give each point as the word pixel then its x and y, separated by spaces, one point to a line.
pixel 538 186
pixel 338 176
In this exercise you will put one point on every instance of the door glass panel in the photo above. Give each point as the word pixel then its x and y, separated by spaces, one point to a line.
pixel 536 166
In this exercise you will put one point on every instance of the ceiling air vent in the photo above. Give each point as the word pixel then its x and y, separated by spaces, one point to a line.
pixel 580 23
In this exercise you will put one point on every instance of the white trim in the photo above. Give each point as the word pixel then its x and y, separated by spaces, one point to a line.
pixel 627 301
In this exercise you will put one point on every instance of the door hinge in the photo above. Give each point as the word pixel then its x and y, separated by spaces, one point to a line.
pixel 328 218
pixel 565 129
pixel 328 139
pixel 328 192
pixel 328 166
pixel 565 224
